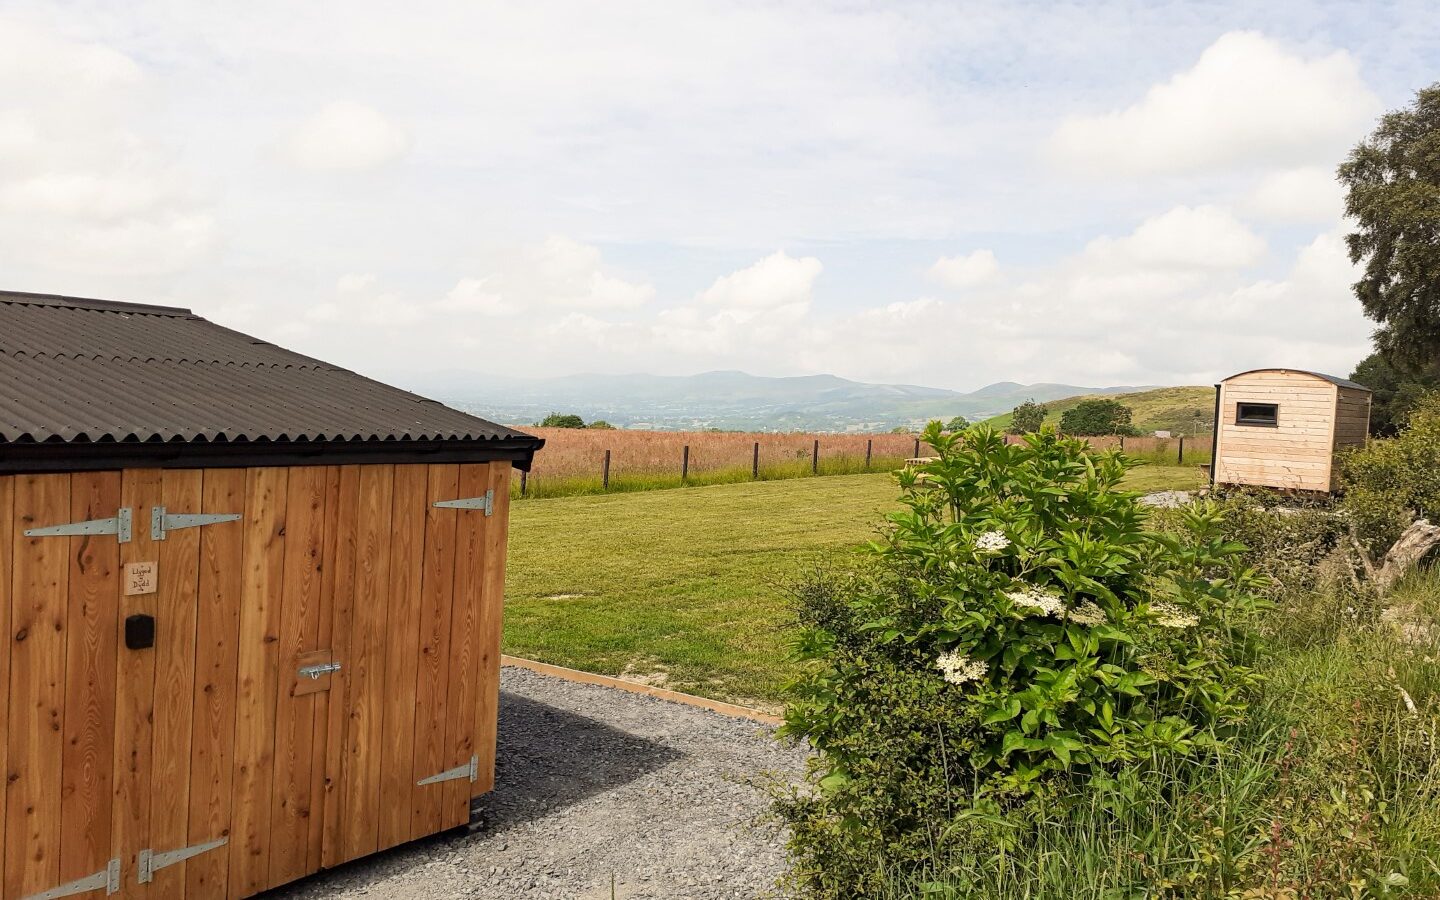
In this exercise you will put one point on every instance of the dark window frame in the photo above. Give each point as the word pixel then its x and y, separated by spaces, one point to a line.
pixel 1257 421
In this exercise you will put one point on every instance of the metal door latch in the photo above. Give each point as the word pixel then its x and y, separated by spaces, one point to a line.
pixel 314 672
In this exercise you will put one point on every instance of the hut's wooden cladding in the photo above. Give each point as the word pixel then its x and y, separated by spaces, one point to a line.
pixel 1312 417
pixel 209 736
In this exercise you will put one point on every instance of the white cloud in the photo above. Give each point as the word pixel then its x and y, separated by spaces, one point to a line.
pixel 1080 321
pixel 346 136
pixel 965 271
pixel 83 191
pixel 1310 194
pixel 778 280
pixel 474 295
pixel 1203 237
pixel 862 134
pixel 558 272
pixel 355 282
pixel 1247 102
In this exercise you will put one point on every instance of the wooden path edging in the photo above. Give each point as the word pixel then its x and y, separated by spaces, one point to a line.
pixel 717 706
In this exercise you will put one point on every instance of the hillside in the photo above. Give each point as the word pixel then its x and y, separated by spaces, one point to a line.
pixel 1181 410
pixel 736 401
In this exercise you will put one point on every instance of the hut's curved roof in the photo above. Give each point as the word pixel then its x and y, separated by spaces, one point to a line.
pixel 1342 382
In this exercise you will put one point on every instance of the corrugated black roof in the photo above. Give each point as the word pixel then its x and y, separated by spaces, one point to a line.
pixel 1342 382
pixel 88 371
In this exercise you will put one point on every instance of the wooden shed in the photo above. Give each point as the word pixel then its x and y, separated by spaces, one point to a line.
pixel 250 604
pixel 1281 428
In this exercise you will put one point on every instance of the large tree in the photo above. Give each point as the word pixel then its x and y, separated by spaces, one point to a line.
pixel 1096 417
pixel 1027 418
pixel 1393 196
pixel 1395 392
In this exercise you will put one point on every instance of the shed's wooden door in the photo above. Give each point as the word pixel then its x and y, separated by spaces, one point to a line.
pixel 101 755
pixel 416 625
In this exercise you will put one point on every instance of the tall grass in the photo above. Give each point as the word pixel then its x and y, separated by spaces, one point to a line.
pixel 573 460
pixel 1332 789
pixel 543 486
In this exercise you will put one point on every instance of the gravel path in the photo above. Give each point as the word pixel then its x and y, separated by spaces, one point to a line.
pixel 591 783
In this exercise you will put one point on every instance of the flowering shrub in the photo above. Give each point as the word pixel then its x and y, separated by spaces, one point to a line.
pixel 1022 629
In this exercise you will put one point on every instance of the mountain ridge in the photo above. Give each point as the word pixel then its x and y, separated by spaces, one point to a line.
pixel 730 399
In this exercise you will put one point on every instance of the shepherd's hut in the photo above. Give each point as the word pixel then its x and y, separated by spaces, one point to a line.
pixel 1281 428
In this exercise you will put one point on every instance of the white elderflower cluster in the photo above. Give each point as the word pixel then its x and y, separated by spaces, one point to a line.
pixel 1087 613
pixel 1046 603
pixel 1168 615
pixel 957 668
pixel 992 542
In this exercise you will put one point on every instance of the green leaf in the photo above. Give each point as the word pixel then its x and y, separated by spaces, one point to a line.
pixel 834 782
pixel 1004 712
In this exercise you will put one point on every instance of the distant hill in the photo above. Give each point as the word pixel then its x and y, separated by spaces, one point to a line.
pixel 731 400
pixel 1180 410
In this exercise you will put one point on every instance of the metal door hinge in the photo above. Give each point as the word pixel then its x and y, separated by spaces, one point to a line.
pixel 148 862
pixel 470 770
pixel 315 671
pixel 118 525
pixel 107 878
pixel 162 521
pixel 487 502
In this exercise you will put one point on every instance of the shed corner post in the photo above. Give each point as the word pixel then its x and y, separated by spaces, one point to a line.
pixel 1215 437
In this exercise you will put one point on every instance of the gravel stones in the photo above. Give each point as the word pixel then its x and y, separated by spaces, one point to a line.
pixel 593 784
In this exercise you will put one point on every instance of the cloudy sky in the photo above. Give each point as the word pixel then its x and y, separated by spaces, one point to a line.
pixel 947 194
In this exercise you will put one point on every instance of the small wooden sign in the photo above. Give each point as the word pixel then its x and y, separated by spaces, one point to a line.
pixel 139 578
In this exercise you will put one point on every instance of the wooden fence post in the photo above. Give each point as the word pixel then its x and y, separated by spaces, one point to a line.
pixel 607 470
pixel 755 462
pixel 916 454
pixel 524 477
pixel 685 464
pixel 869 447
pixel 815 459
pixel 1122 443
pixel 1180 457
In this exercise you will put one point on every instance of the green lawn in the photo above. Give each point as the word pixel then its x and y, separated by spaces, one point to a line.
pixel 690 582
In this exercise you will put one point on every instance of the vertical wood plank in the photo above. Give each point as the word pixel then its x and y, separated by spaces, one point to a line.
pixel 339 587
pixel 7 549
pixel 257 676
pixel 464 698
pixel 437 588
pixel 407 546
pixel 360 770
pixel 295 716
pixel 94 609
pixel 217 633
pixel 140 489
pixel 179 556
pixel 492 607
pixel 325 619
pixel 37 687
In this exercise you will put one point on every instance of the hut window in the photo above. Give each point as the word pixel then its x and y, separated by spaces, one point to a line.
pixel 1257 414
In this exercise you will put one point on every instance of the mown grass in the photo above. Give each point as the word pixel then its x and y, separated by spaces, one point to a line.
pixel 691 583
pixel 1332 789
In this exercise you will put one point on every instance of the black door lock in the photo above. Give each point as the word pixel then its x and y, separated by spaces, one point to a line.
pixel 139 632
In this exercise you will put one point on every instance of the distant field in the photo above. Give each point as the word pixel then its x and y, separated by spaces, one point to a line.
pixel 573 460
pixel 687 587
pixel 1180 410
